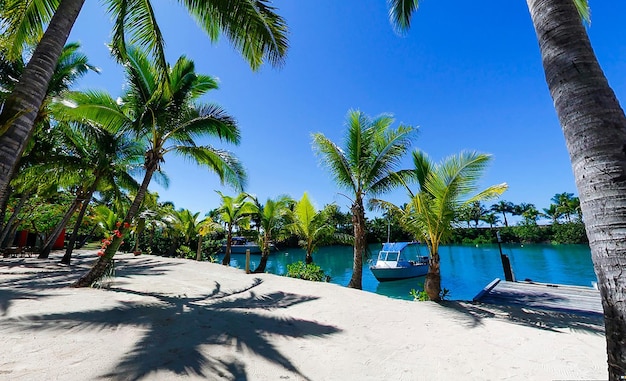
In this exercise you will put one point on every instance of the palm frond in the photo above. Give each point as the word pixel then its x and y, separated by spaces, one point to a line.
pixel 252 26
pixel 332 157
pixel 223 163
pixel 400 12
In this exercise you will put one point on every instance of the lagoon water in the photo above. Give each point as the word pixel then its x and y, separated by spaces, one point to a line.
pixel 465 270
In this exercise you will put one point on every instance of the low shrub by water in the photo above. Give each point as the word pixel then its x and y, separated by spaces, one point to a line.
pixel 313 272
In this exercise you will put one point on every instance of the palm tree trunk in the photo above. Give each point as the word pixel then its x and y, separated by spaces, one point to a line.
pixel 265 254
pixel 4 203
pixel 358 223
pixel 594 126
pixel 9 225
pixel 21 107
pixel 229 237
pixel 199 251
pixel 79 220
pixel 102 264
pixel 56 232
pixel 432 282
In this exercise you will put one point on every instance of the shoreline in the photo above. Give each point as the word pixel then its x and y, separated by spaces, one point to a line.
pixel 165 318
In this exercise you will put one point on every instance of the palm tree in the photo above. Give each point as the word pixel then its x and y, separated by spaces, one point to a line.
pixel 365 167
pixel 503 207
pixel 491 218
pixel 163 113
pixel 594 126
pixel 252 27
pixel 443 190
pixel 272 218
pixel 72 66
pixel 96 159
pixel 567 204
pixel 234 212
pixel 310 226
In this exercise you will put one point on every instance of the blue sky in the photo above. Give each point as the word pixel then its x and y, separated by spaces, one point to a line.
pixel 468 75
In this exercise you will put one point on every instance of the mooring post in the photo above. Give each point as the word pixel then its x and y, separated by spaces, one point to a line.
pixel 247 261
pixel 506 263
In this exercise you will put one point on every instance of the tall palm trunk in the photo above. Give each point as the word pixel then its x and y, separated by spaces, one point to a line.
pixel 199 250
pixel 56 232
pixel 594 126
pixel 4 203
pixel 102 264
pixel 229 237
pixel 358 222
pixel 265 254
pixel 21 107
pixel 79 220
pixel 16 211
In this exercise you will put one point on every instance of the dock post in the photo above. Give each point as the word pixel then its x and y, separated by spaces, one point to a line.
pixel 247 261
pixel 506 263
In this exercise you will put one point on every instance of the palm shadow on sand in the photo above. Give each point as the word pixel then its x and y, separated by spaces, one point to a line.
pixel 180 331
pixel 29 278
pixel 472 315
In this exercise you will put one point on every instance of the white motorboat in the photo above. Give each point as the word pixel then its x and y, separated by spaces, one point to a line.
pixel 393 263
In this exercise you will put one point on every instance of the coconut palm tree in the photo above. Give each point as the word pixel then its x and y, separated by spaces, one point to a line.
pixel 164 115
pixel 365 166
pixel 594 126
pixel 112 159
pixel 443 189
pixel 72 66
pixel 310 226
pixel 94 158
pixel 272 218
pixel 252 26
pixel 503 207
pixel 234 212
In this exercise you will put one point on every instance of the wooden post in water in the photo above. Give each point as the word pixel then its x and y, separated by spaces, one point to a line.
pixel 506 263
pixel 247 261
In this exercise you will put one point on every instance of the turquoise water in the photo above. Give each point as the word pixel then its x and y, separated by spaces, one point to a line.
pixel 465 270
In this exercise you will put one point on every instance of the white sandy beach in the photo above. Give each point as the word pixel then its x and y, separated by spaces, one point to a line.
pixel 164 319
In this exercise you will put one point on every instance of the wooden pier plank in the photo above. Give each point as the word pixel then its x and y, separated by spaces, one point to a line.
pixel 558 297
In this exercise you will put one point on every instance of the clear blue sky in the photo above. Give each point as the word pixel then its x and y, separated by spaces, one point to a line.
pixel 469 75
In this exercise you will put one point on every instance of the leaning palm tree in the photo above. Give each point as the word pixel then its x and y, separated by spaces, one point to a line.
pixel 272 218
pixel 444 189
pixel 97 159
pixel 372 151
pixel 162 113
pixel 252 27
pixel 310 226
pixel 594 127
pixel 234 212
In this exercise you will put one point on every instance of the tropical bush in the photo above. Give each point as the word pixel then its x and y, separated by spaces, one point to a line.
pixel 312 272
pixel 569 232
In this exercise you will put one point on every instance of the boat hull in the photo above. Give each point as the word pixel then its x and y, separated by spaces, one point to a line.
pixel 384 274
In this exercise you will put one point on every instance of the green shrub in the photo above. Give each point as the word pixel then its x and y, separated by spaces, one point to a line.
pixel 312 272
pixel 569 232
pixel 422 296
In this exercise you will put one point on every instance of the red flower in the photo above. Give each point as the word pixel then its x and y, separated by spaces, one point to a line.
pixel 126 225
pixel 118 224
pixel 101 253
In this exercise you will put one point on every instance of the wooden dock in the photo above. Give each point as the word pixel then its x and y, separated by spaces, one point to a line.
pixel 553 297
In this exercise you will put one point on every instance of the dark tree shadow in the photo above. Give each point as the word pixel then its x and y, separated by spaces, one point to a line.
pixel 472 315
pixel 23 278
pixel 179 329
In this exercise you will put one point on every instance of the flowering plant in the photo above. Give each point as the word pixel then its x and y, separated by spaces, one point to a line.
pixel 107 241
